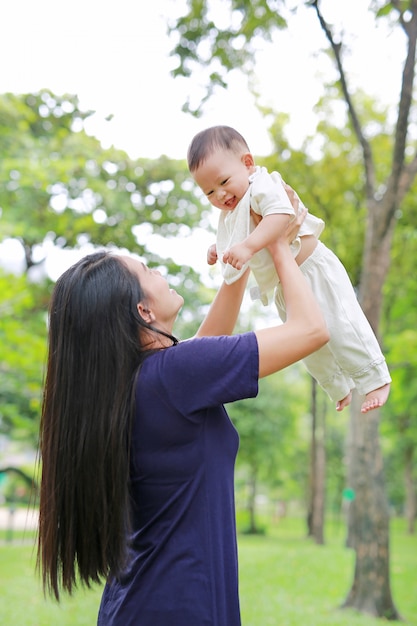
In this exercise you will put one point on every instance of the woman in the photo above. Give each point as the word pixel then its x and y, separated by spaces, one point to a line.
pixel 137 450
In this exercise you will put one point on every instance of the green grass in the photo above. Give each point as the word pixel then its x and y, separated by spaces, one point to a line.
pixel 285 580
pixel 21 598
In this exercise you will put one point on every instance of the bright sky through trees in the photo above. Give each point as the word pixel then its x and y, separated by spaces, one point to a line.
pixel 115 57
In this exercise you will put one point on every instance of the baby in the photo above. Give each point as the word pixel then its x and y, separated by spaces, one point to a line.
pixel 254 208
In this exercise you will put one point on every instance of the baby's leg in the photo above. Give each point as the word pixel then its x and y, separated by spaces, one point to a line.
pixel 376 398
pixel 323 366
pixel 352 341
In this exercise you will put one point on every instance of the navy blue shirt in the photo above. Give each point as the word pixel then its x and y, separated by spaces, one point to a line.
pixel 183 569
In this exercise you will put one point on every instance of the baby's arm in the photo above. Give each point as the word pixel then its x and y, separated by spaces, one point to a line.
pixel 268 230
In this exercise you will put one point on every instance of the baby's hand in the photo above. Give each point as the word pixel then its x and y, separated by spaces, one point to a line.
pixel 237 256
pixel 212 255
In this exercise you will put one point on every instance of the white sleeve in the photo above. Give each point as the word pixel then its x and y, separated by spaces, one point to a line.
pixel 268 195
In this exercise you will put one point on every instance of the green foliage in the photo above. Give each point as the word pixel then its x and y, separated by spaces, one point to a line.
pixel 17 487
pixel 275 440
pixel 58 187
pixel 23 348
pixel 272 459
pixel 60 190
pixel 399 426
pixel 327 170
pixel 58 183
pixel 214 39
pixel 268 424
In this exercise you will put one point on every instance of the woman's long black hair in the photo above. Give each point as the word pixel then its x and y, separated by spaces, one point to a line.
pixel 95 351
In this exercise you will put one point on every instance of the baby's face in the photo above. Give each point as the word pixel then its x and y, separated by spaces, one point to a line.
pixel 224 177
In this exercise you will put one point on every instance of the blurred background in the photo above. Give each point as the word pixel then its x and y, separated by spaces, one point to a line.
pixel 98 103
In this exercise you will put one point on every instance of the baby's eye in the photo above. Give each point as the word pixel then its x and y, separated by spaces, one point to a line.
pixel 224 181
pixel 209 193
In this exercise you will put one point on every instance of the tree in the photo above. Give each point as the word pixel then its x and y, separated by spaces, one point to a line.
pixel 267 426
pixel 202 43
pixel 400 425
pixel 316 504
pixel 22 354
pixel 59 187
pixel 403 423
pixel 60 190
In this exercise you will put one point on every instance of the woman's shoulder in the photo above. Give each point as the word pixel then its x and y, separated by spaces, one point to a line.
pixel 206 350
pixel 217 342
pixel 203 371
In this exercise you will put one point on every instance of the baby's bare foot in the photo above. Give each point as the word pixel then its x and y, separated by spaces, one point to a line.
pixel 376 398
pixel 344 402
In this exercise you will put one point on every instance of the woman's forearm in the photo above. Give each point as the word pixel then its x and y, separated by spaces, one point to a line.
pixel 224 310
pixel 300 302
pixel 304 331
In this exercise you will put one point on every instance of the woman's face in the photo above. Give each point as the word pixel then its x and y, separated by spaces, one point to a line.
pixel 161 304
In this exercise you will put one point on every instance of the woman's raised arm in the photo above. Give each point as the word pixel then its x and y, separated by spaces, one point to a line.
pixel 305 330
pixel 224 310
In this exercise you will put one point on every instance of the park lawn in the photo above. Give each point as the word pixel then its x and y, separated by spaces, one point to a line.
pixel 285 580
pixel 21 598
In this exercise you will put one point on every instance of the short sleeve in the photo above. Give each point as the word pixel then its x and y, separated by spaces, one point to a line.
pixel 268 195
pixel 205 372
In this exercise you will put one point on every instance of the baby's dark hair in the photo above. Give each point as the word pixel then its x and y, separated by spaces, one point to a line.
pixel 210 139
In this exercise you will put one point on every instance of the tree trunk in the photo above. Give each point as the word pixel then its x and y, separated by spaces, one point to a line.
pixel 317 479
pixel 370 592
pixel 368 514
pixel 319 495
pixel 320 481
pixel 349 503
pixel 376 261
pixel 251 504
pixel 410 492
pixel 370 521
pixel 312 474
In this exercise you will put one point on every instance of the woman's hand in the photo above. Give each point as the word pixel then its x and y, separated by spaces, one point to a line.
pixel 292 195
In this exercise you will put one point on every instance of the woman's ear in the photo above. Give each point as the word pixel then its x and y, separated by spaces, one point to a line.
pixel 145 313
